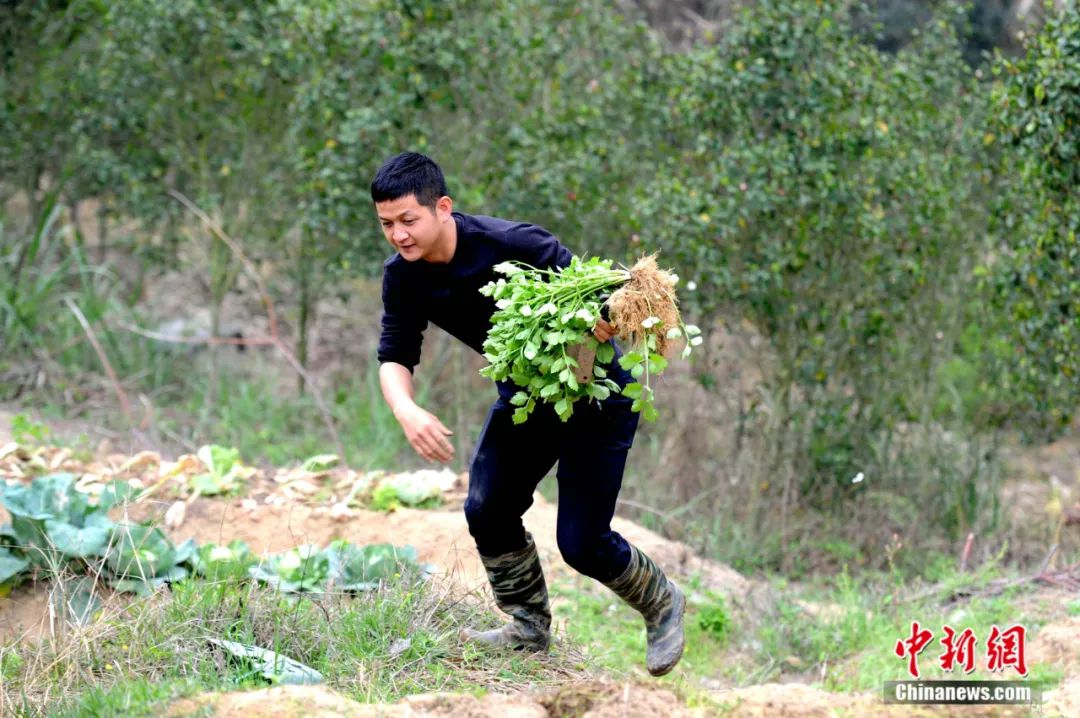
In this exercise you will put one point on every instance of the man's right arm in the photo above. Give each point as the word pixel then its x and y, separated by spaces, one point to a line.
pixel 423 429
pixel 399 351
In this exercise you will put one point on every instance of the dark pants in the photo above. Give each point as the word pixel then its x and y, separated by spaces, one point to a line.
pixel 510 460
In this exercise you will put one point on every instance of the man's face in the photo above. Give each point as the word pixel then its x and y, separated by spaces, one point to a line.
pixel 412 229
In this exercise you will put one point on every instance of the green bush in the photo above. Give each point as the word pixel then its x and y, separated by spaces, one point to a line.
pixel 810 193
pixel 1037 276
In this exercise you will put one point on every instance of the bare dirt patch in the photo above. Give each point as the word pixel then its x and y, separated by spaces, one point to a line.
pixel 585 700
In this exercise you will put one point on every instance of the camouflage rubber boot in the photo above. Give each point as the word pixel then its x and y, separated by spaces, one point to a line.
pixel 656 597
pixel 517 581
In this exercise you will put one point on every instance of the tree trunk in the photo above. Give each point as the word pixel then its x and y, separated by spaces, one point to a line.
pixel 103 230
pixel 306 300
pixel 73 211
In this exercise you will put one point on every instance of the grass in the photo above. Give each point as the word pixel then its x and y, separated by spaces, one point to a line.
pixel 844 635
pixel 612 634
pixel 252 414
pixel 376 647
pixel 137 698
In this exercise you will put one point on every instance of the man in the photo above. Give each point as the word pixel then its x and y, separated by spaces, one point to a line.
pixel 442 260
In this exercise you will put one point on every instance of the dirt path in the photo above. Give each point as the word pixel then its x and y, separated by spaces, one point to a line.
pixel 598 700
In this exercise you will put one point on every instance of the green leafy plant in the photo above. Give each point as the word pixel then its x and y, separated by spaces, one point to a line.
pixel 11 569
pixel 342 566
pixel 24 429
pixel 1036 279
pixel 364 568
pixel 418 489
pixel 52 522
pixel 302 569
pixel 413 489
pixel 543 315
pixel 55 526
pixel 225 471
pixel 714 618
pixel 218 562
pixel 384 498
pixel 142 558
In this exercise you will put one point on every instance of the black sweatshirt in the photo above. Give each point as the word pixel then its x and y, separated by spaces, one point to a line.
pixel 448 295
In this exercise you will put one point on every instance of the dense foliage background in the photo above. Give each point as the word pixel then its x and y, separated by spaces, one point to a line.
pixel 876 218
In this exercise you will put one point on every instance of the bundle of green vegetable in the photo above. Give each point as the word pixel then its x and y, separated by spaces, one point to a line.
pixel 545 317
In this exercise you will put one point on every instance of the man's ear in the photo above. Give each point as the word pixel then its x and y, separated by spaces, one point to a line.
pixel 443 207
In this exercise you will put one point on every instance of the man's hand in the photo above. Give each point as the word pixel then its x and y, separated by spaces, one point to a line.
pixel 426 433
pixel 603 331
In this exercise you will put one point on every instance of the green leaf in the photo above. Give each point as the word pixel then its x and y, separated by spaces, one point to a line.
pixel 304 568
pixel 114 493
pixel 605 353
pixel 135 585
pixel 598 391
pixel 218 459
pixel 632 390
pixel 630 359
pixel 354 568
pixel 11 565
pixel 47 497
pixel 140 552
pixel 273 666
pixel 211 484
pixel 554 338
pixel 415 488
pixel 519 398
pixel 221 562
pixel 550 390
pixel 79 599
pixel 77 542
pixel 320 462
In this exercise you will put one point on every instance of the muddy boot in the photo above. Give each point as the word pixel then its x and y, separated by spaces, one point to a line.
pixel 656 597
pixel 520 591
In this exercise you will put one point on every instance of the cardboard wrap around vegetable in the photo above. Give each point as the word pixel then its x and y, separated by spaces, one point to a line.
pixel 541 335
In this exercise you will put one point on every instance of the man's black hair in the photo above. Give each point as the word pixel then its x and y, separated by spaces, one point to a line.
pixel 409 173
